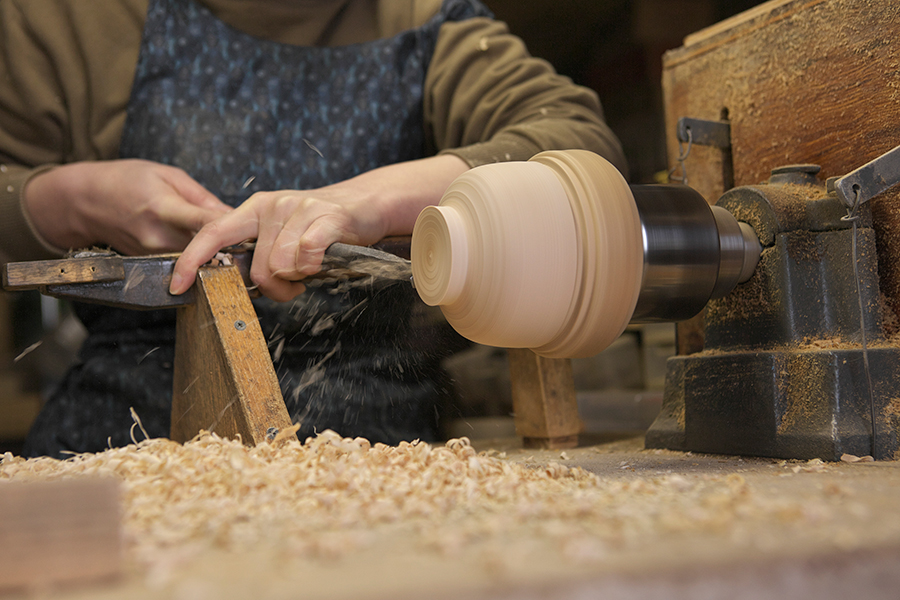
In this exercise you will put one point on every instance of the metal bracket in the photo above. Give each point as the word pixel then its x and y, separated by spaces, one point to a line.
pixel 705 133
pixel 868 181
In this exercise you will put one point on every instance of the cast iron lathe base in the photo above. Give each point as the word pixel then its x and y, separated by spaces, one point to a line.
pixel 782 370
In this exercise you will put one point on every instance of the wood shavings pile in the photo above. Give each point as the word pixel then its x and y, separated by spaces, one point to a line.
pixel 331 496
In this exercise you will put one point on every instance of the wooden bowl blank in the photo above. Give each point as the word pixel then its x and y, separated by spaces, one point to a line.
pixel 544 254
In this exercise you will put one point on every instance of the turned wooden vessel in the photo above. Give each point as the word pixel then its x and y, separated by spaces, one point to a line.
pixel 558 254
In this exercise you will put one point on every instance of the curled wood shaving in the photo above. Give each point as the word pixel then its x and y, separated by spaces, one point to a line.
pixel 331 495
pixel 852 458
pixel 221 259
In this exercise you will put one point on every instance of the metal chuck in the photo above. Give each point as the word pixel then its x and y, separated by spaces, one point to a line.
pixel 693 252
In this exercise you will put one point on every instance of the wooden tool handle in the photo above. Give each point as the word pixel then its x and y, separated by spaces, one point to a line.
pixel 31 275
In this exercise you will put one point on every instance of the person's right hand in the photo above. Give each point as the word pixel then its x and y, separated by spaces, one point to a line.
pixel 134 206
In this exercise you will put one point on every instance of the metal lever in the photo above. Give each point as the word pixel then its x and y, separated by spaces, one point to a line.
pixel 854 189
pixel 704 132
pixel 869 180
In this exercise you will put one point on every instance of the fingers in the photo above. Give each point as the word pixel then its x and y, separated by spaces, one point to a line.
pixel 279 263
pixel 151 239
pixel 274 269
pixel 187 216
pixel 297 248
pixel 154 208
pixel 191 190
pixel 292 231
pixel 282 290
pixel 232 228
pixel 304 253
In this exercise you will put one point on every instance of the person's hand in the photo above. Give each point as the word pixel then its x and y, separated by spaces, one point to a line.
pixel 135 206
pixel 293 228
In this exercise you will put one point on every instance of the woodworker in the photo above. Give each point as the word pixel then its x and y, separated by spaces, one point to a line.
pixel 136 124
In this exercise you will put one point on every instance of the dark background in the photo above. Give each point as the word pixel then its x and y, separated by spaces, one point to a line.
pixel 615 47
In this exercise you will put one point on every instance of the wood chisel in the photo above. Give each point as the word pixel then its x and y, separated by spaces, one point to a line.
pixel 142 282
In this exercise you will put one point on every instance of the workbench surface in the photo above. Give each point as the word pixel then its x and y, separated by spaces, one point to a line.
pixel 680 526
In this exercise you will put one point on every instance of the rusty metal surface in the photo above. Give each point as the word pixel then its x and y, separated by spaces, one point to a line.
pixel 869 180
pixel 145 286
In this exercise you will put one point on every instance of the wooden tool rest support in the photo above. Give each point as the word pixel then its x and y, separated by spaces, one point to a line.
pixel 224 380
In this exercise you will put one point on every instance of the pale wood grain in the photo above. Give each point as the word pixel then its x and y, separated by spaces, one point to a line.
pixel 59 531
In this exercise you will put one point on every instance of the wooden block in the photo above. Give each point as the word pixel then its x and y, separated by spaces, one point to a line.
pixel 543 395
pixel 34 274
pixel 224 379
pixel 59 531
pixel 801 81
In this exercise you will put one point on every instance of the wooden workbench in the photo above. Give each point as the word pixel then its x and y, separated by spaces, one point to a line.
pixel 804 529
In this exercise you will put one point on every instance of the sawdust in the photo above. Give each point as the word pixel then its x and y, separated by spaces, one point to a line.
pixel 886 216
pixel 824 344
pixel 800 376
pixel 890 322
pixel 891 416
pixel 892 408
pixel 331 497
pixel 803 192
pixel 750 300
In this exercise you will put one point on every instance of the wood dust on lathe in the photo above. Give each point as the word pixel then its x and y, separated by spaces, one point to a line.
pixel 329 498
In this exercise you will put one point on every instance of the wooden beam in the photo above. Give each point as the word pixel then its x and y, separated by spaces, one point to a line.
pixel 224 378
pixel 59 531
pixel 31 275
pixel 543 395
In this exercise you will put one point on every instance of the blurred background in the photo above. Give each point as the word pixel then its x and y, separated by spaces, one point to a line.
pixel 612 46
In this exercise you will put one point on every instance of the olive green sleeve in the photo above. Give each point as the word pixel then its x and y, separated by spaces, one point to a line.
pixel 18 239
pixel 66 69
pixel 31 116
pixel 65 77
pixel 488 100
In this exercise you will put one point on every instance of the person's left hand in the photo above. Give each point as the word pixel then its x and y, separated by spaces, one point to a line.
pixel 294 228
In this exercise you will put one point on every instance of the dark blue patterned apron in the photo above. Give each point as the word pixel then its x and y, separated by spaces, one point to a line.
pixel 241 114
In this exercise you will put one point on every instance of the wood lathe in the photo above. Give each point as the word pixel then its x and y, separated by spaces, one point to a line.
pixel 560 254
pixel 557 256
